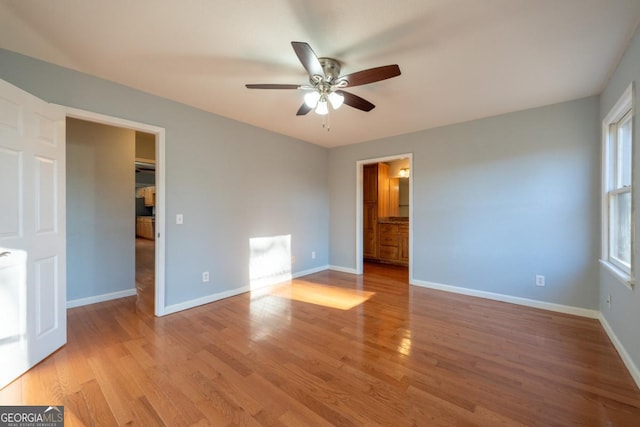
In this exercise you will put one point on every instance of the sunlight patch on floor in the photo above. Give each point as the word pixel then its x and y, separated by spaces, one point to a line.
pixel 325 295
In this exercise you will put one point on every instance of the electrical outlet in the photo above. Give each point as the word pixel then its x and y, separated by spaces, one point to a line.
pixel 179 219
pixel 293 259
pixel 205 276
pixel 539 280
pixel 608 301
pixel 313 255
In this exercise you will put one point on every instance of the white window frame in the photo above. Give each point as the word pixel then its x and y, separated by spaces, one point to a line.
pixel 621 112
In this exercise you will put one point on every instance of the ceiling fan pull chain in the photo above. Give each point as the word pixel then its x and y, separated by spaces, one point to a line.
pixel 326 125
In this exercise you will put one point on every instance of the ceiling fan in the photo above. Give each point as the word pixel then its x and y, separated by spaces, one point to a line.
pixel 326 85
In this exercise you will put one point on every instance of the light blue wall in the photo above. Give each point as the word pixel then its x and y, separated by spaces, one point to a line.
pixel 624 314
pixel 495 202
pixel 231 181
pixel 100 209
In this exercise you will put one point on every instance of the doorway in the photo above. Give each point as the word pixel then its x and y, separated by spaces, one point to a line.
pixel 145 235
pixel 155 247
pixel 384 211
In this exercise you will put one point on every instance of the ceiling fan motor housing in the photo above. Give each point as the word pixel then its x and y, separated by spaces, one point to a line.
pixel 331 68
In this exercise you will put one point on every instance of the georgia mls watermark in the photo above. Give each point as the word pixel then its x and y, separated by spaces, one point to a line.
pixel 31 416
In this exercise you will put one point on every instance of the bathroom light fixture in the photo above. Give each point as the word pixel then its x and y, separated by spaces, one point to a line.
pixel 404 173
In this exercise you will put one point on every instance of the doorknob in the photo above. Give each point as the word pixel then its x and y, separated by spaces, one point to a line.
pixel 5 254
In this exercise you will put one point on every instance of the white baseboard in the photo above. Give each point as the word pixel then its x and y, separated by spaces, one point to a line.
pixel 343 269
pixel 100 298
pixel 578 311
pixel 185 305
pixel 628 362
pixel 309 271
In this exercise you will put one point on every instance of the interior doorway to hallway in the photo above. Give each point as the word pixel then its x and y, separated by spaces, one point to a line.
pixel 145 235
pixel 152 253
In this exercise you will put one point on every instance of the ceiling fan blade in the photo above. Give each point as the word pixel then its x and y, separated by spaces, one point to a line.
pixel 303 110
pixel 371 75
pixel 271 86
pixel 308 58
pixel 355 101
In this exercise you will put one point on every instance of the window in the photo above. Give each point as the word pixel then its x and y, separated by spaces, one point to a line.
pixel 617 241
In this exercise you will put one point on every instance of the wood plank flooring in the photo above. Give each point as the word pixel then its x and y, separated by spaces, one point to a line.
pixel 371 350
pixel 145 274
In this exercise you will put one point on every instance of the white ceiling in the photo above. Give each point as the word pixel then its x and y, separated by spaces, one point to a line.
pixel 460 59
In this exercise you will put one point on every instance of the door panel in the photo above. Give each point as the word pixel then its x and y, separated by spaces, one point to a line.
pixel 32 230
pixel 370 230
pixel 46 291
pixel 45 130
pixel 45 195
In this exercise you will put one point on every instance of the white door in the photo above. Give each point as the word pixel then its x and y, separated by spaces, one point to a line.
pixel 33 322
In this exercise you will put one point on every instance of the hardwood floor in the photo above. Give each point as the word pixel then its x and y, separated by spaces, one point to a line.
pixel 145 275
pixel 370 351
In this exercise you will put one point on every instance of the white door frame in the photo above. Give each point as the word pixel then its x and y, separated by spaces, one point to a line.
pixel 160 308
pixel 359 178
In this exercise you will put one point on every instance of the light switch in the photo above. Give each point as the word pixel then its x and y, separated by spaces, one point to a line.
pixel 179 219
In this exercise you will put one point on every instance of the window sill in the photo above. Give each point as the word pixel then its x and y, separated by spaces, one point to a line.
pixel 620 275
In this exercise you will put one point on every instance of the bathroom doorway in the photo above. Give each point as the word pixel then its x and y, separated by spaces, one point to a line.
pixel 383 212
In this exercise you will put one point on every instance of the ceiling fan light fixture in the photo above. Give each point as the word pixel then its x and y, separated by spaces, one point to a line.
pixel 326 84
pixel 336 100
pixel 322 107
pixel 311 99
